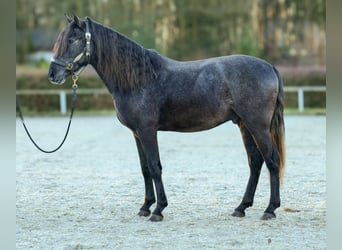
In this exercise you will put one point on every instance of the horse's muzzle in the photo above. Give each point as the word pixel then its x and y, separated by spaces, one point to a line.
pixel 56 78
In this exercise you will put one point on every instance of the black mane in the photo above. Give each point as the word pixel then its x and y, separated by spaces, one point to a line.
pixel 122 60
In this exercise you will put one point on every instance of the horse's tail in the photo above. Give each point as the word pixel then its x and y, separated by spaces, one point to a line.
pixel 277 128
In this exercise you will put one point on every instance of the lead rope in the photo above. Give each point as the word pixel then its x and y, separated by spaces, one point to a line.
pixel 73 102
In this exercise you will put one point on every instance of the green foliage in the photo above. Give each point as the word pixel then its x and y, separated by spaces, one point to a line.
pixel 43 64
pixel 193 29
pixel 248 45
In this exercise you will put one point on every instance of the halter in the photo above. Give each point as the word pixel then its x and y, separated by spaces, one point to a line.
pixel 70 65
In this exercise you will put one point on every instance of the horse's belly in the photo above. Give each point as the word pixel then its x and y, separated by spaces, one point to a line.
pixel 193 119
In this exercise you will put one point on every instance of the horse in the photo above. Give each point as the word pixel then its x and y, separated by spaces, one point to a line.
pixel 152 93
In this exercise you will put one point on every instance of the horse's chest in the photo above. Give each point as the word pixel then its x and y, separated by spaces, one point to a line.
pixel 133 113
pixel 122 115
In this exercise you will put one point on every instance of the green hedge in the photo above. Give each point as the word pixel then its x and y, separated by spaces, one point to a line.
pixel 50 103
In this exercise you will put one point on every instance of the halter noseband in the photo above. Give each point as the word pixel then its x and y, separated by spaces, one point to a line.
pixel 69 65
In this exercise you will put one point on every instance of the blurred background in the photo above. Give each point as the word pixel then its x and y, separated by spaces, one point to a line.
pixel 290 34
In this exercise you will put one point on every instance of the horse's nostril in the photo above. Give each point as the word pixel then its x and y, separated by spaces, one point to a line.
pixel 50 75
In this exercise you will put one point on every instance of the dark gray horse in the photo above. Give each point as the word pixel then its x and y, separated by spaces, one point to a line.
pixel 152 92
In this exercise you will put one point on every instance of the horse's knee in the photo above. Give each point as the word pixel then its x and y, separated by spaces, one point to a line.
pixel 272 162
pixel 156 175
pixel 272 167
pixel 155 171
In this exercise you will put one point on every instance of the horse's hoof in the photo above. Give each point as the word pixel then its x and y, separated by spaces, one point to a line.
pixel 156 218
pixel 268 216
pixel 238 214
pixel 144 213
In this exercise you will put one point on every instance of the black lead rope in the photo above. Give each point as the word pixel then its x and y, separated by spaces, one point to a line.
pixel 73 102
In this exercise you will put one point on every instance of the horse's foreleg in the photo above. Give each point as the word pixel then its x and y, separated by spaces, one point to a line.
pixel 148 139
pixel 255 162
pixel 149 192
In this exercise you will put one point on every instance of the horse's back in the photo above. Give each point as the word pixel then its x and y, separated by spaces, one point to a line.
pixel 233 70
pixel 239 76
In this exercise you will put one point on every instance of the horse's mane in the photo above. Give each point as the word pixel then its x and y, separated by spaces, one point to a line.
pixel 122 60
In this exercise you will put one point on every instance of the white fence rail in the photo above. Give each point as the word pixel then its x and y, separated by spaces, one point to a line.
pixel 63 92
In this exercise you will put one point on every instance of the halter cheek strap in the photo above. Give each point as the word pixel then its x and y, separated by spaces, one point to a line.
pixel 88 39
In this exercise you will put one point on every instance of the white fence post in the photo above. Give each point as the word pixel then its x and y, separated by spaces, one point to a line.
pixel 62 102
pixel 300 99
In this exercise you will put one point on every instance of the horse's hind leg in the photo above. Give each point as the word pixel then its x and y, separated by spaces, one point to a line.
pixel 271 157
pixel 255 162
pixel 149 192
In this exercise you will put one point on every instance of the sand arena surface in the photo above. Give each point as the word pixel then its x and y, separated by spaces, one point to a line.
pixel 87 195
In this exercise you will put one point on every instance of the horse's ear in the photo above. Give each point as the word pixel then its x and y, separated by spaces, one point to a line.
pixel 68 18
pixel 77 20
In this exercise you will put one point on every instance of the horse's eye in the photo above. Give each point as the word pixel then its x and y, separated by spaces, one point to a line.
pixel 71 40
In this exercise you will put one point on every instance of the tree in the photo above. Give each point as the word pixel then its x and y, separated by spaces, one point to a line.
pixel 282 31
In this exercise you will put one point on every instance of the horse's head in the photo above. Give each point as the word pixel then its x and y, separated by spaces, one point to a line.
pixel 72 50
